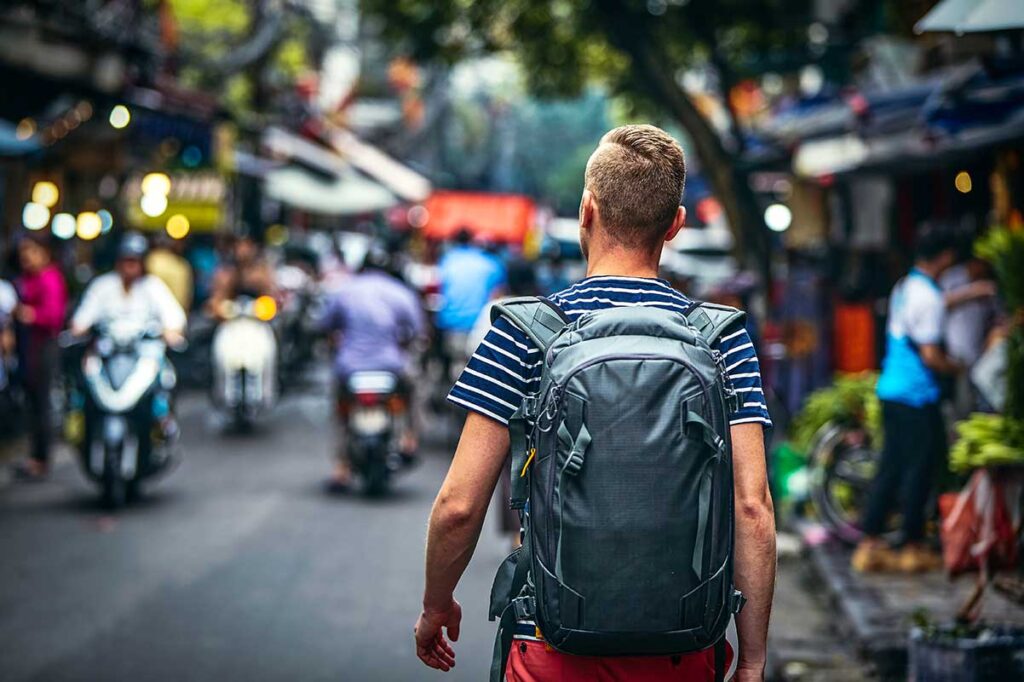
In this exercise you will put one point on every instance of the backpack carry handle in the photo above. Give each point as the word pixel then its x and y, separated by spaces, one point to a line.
pixel 711 319
pixel 535 316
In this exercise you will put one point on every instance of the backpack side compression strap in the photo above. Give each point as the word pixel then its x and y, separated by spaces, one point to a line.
pixel 711 319
pixel 537 317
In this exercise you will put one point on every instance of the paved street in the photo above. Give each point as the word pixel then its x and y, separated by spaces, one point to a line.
pixel 237 566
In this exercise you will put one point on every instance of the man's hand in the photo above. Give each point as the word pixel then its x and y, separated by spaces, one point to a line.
pixel 174 338
pixel 431 646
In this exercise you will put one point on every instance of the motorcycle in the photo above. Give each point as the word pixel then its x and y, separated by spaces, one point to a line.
pixel 842 465
pixel 372 412
pixel 245 359
pixel 118 410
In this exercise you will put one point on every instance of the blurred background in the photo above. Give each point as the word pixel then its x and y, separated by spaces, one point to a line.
pixel 171 504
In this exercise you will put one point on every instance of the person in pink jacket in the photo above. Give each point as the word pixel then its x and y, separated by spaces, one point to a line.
pixel 42 304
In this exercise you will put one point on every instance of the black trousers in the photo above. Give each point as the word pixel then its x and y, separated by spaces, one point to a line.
pixel 40 371
pixel 915 444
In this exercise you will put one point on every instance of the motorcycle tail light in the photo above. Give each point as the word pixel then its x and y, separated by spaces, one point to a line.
pixel 367 399
pixel 396 404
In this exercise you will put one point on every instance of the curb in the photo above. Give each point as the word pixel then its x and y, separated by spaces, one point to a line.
pixel 880 635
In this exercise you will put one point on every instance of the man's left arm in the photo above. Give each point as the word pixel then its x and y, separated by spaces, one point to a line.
pixel 754 548
pixel 455 524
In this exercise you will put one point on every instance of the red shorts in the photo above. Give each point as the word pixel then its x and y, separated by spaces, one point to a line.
pixel 535 661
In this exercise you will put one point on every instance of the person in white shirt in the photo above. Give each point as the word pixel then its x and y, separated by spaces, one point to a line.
pixel 129 292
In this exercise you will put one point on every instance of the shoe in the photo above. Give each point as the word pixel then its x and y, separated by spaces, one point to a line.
pixel 918 559
pixel 872 556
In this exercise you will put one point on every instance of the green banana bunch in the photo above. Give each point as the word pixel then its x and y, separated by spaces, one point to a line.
pixel 987 440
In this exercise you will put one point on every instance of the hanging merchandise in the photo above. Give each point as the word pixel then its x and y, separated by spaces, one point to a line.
pixel 872 197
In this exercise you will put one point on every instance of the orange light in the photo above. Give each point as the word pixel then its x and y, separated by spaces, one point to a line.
pixel 264 308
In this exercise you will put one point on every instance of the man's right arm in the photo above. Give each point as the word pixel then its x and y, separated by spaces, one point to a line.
pixel 754 548
pixel 935 358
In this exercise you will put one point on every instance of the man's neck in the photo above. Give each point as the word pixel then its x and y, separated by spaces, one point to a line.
pixel 622 263
pixel 927 268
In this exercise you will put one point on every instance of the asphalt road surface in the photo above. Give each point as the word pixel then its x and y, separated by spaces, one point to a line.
pixel 237 566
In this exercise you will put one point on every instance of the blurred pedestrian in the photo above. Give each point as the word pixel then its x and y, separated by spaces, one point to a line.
pixel 167 262
pixel 470 278
pixel 972 312
pixel 43 300
pixel 909 388
pixel 377 319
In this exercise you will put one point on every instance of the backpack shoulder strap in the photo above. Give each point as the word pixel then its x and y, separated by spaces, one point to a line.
pixel 535 316
pixel 711 319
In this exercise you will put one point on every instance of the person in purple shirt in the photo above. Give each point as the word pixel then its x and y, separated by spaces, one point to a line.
pixel 376 318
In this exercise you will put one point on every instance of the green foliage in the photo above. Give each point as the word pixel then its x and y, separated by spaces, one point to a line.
pixel 987 440
pixel 850 399
pixel 563 45
pixel 209 31
pixel 1003 248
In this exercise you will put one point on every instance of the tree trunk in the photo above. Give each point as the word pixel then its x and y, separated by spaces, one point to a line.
pixel 729 182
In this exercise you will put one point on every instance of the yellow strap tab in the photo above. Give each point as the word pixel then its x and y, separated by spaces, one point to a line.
pixel 533 451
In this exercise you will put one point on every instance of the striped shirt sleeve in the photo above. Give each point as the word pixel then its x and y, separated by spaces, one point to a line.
pixel 505 366
pixel 743 373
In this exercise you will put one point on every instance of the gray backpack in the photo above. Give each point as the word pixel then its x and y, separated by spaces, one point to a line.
pixel 622 473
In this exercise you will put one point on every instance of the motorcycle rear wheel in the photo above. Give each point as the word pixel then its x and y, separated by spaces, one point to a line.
pixel 375 478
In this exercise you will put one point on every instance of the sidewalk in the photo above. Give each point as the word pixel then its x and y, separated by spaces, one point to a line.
pixel 876 611
pixel 804 644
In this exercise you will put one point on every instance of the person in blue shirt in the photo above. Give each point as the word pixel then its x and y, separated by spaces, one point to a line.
pixel 470 278
pixel 915 435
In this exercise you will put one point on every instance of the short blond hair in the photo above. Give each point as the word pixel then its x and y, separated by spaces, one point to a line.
pixel 636 176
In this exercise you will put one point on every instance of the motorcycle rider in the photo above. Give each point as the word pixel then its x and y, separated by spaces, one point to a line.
pixel 129 292
pixel 378 318
pixel 246 273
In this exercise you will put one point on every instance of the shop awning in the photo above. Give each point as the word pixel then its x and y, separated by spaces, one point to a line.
pixel 404 182
pixel 946 15
pixel 497 217
pixel 346 193
pixel 995 15
pixel 348 151
pixel 973 16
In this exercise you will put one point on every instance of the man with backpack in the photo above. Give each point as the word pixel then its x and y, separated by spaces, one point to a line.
pixel 635 419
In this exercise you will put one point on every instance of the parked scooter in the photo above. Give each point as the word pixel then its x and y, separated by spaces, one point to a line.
pixel 119 412
pixel 373 410
pixel 245 360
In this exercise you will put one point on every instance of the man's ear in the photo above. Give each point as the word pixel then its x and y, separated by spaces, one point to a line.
pixel 677 224
pixel 586 210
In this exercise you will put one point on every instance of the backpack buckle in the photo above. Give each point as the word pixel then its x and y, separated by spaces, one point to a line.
pixel 732 400
pixel 736 602
pixel 524 607
pixel 574 463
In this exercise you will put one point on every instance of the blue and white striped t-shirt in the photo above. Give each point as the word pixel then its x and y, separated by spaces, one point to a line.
pixel 507 364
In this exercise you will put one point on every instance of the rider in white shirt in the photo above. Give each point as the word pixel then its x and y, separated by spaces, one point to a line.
pixel 129 292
